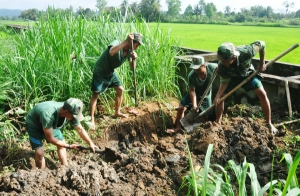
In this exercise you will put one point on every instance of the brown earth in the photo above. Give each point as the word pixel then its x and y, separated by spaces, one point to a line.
pixel 138 158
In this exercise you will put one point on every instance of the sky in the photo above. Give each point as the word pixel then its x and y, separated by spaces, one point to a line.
pixel 235 5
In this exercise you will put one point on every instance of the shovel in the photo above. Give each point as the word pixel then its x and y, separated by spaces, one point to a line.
pixel 249 77
pixel 134 78
pixel 90 149
pixel 188 121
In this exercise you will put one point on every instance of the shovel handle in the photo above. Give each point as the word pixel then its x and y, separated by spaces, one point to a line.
pixel 251 76
pixel 208 86
pixel 90 149
pixel 134 78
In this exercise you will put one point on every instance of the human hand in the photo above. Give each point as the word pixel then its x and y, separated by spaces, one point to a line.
pixel 216 101
pixel 262 67
pixel 74 146
pixel 94 147
pixel 130 37
pixel 133 55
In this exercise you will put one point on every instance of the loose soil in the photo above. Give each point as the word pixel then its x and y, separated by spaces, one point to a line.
pixel 137 157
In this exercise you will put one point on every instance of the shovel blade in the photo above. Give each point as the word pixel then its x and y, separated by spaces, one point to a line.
pixel 190 121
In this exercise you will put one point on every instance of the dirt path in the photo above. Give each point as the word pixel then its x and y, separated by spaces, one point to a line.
pixel 138 158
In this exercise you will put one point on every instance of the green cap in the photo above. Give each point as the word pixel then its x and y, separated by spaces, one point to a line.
pixel 138 37
pixel 227 50
pixel 197 62
pixel 74 107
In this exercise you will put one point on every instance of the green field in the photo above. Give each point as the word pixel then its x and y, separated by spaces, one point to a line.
pixel 209 37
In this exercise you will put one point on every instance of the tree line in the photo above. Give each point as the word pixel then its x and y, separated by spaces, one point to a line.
pixel 202 12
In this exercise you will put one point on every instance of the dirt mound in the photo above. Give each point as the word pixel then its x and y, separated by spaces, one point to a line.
pixel 138 158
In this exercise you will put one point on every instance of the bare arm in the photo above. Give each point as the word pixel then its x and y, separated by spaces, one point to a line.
pixel 115 49
pixel 220 92
pixel 83 134
pixel 193 97
pixel 50 138
pixel 262 65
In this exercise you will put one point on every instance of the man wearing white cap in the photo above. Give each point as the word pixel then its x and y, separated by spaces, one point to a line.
pixel 46 119
pixel 234 67
pixel 198 80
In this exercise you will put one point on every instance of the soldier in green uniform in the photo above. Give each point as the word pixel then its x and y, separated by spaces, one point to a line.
pixel 198 80
pixel 46 119
pixel 104 76
pixel 234 66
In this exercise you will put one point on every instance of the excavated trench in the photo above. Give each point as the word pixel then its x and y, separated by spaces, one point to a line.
pixel 137 157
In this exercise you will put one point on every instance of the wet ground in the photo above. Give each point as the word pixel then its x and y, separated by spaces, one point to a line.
pixel 137 157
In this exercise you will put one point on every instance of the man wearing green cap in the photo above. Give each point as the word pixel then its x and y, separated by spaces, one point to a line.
pixel 234 67
pixel 104 76
pixel 198 80
pixel 46 119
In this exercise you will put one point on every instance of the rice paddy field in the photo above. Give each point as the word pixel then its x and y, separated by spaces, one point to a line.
pixel 209 37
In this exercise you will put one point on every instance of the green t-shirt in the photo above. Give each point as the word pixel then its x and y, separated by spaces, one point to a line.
pixel 242 67
pixel 105 65
pixel 46 114
pixel 201 85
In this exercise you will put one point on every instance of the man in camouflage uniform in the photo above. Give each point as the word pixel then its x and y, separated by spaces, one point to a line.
pixel 234 66
pixel 198 80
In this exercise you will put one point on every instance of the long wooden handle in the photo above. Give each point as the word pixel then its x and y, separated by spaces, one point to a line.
pixel 207 88
pixel 251 76
pixel 134 79
pixel 90 149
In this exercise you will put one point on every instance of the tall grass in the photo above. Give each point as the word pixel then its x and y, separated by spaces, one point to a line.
pixel 40 67
pixel 206 181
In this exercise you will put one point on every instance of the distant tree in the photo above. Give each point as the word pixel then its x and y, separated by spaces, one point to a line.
pixel 196 10
pixel 134 6
pixel 124 6
pixel 240 17
pixel 287 6
pixel 258 11
pixel 188 10
pixel 101 4
pixel 227 10
pixel 202 5
pixel 31 14
pixel 297 14
pixel 210 10
pixel 150 9
pixel 174 7
pixel 88 13
pixel 269 12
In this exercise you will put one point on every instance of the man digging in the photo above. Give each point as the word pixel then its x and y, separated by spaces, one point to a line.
pixel 104 76
pixel 234 67
pixel 198 80
pixel 45 121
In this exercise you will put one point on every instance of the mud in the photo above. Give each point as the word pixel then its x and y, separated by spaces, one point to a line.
pixel 138 158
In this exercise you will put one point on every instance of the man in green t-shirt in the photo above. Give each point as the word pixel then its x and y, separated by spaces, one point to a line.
pixel 46 119
pixel 198 80
pixel 104 76
pixel 234 67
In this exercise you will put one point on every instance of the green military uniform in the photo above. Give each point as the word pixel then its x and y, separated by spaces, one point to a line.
pixel 103 74
pixel 200 87
pixel 106 64
pixel 45 115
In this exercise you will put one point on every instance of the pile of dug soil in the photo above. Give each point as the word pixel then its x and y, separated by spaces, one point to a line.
pixel 137 157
